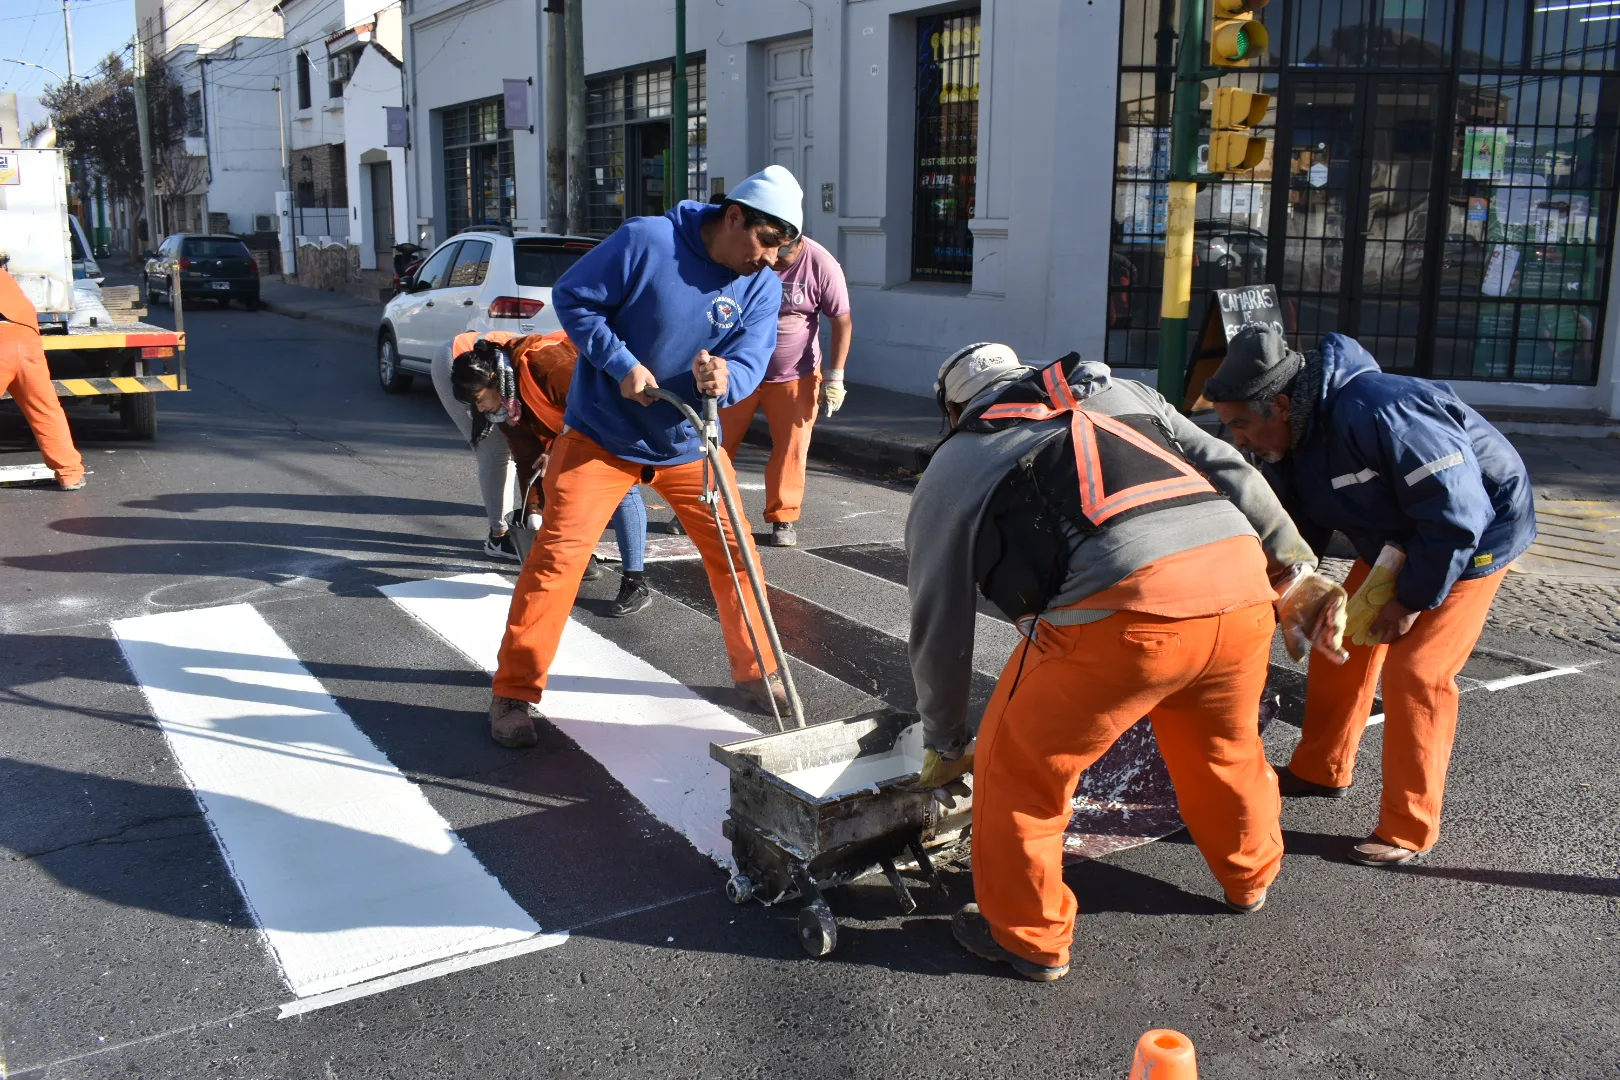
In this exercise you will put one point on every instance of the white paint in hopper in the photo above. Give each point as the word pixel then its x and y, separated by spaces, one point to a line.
pixel 647 729
pixel 349 871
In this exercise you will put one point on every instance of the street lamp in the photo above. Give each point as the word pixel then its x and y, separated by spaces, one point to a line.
pixel 30 63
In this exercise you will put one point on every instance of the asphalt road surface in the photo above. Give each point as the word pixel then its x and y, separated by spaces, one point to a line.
pixel 297 548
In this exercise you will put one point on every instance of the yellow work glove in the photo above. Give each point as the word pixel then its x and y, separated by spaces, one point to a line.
pixel 938 772
pixel 832 395
pixel 1375 592
pixel 1311 613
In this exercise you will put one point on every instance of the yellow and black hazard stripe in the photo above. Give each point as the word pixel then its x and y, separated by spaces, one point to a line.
pixel 118 384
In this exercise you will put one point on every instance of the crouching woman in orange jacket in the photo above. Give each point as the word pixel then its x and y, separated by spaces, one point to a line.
pixel 520 385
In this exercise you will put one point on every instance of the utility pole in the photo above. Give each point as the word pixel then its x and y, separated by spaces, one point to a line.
pixel 1178 232
pixel 67 29
pixel 556 116
pixel 575 20
pixel 675 182
pixel 143 127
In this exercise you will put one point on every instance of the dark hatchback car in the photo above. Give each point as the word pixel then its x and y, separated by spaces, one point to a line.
pixel 218 268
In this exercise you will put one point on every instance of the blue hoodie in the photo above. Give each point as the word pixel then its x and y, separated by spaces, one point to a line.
pixel 650 294
pixel 1396 459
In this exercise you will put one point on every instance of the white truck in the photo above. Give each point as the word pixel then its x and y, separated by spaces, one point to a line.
pixel 100 352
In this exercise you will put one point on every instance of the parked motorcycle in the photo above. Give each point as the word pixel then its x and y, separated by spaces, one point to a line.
pixel 407 258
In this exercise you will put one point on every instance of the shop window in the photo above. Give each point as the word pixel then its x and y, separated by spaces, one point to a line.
pixel 480 187
pixel 947 147
pixel 627 119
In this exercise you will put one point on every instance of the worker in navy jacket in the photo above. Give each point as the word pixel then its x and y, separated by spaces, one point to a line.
pixel 686 302
pixel 1436 503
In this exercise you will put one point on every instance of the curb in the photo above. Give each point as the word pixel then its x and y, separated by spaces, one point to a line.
pixel 338 322
pixel 865 451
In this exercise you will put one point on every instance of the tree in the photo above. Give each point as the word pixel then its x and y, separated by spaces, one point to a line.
pixel 95 123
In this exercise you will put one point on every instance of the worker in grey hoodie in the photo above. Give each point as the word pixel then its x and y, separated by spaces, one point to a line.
pixel 1142 560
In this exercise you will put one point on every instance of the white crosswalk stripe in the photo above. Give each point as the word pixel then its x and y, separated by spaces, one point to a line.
pixel 348 870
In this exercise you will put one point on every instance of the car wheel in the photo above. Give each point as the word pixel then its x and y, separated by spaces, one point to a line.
pixel 393 380
pixel 251 303
pixel 153 295
pixel 224 302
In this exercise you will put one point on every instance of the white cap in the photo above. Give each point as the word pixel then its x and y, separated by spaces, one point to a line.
pixel 970 371
pixel 774 191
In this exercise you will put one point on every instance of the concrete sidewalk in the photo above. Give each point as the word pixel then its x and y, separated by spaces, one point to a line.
pixel 339 310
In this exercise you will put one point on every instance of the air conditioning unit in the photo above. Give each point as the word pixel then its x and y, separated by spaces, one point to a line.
pixel 264 223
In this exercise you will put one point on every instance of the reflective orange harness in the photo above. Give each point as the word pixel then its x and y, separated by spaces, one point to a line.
pixel 1098 504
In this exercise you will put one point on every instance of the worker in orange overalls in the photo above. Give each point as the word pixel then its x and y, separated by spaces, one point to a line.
pixel 25 375
pixel 1141 558
pixel 1437 504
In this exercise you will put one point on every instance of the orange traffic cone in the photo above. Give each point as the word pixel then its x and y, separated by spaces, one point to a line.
pixel 1163 1054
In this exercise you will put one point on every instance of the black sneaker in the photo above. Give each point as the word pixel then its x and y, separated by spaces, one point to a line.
pixel 501 547
pixel 972 932
pixel 633 596
pixel 593 570
pixel 1298 787
pixel 783 534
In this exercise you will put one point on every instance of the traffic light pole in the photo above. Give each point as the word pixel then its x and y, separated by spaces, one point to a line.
pixel 1178 234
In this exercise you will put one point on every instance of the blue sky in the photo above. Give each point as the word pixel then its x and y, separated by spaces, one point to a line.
pixel 32 30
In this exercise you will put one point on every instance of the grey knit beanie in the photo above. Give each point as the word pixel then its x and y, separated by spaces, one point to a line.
pixel 1259 365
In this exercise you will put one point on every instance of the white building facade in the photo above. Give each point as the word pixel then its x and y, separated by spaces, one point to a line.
pixel 379 214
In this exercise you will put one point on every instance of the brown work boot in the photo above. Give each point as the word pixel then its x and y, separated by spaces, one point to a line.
pixel 72 485
pixel 1376 851
pixel 761 697
pixel 511 722
pixel 1289 784
pixel 972 932
pixel 1246 909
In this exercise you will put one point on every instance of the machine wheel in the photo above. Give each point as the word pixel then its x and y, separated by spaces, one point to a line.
pixel 139 414
pixel 818 930
pixel 740 889
pixel 394 381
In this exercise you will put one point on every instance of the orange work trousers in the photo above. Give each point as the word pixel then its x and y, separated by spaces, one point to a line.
pixel 584 485
pixel 25 374
pixel 1200 681
pixel 790 409
pixel 1420 709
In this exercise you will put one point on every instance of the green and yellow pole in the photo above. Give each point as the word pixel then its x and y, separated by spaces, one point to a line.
pixel 675 182
pixel 1178 232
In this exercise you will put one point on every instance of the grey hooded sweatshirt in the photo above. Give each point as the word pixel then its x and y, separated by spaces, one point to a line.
pixel 950 500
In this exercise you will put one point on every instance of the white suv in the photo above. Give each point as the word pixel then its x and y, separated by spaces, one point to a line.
pixel 480 279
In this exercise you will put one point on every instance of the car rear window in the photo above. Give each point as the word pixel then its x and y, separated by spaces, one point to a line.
pixel 206 247
pixel 539 263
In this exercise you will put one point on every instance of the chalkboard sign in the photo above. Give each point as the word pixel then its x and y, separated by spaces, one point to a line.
pixel 1252 304
pixel 1229 311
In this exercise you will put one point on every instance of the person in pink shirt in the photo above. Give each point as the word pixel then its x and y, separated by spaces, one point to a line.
pixel 794 386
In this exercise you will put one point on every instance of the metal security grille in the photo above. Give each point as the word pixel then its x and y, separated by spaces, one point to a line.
pixel 618 109
pixel 1445 185
pixel 947 144
pixel 479 184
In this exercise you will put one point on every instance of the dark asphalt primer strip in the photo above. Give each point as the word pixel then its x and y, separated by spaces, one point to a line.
pixel 888 561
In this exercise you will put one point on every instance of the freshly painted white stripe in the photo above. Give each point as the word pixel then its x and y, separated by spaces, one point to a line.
pixel 420 974
pixel 647 729
pixel 1519 680
pixel 348 870
pixel 1450 461
pixel 1353 478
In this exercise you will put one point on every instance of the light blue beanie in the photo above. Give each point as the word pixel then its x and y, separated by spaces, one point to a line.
pixel 774 191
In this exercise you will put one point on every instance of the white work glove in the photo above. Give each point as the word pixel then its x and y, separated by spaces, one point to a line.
pixel 1311 613
pixel 832 392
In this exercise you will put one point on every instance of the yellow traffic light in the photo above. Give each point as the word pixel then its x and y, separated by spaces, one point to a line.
pixel 1232 148
pixel 1236 37
pixel 1235 151
pixel 1234 109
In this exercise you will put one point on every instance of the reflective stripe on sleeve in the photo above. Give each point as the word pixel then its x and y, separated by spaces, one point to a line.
pixel 1438 465
pixel 1353 478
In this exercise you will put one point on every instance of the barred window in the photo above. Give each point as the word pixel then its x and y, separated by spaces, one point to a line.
pixel 480 186
pixel 627 116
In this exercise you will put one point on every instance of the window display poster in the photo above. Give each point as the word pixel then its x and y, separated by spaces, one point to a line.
pixel 1485 151
pixel 1499 271
pixel 1479 209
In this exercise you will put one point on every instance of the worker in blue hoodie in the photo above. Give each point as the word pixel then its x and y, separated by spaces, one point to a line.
pixel 687 302
pixel 1436 503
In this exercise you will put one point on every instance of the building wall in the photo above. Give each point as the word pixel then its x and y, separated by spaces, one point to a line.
pixel 166 25
pixel 1040 235
pixel 457 53
pixel 375 85
pixel 241 130
pixel 308 24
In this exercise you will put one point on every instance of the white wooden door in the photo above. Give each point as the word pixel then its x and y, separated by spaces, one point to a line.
pixel 789 107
